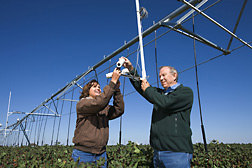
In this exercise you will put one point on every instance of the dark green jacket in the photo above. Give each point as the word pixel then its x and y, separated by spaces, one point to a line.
pixel 170 125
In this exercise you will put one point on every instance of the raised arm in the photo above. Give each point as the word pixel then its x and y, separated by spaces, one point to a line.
pixel 118 104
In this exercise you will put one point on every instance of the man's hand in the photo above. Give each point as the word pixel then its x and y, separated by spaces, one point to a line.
pixel 127 64
pixel 144 84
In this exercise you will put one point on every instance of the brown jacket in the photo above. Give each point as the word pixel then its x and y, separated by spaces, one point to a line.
pixel 93 115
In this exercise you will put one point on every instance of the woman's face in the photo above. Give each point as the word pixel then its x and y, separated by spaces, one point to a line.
pixel 95 90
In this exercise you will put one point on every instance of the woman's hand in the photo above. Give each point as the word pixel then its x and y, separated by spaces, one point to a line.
pixel 116 75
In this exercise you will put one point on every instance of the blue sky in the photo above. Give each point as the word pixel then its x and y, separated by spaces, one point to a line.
pixel 45 44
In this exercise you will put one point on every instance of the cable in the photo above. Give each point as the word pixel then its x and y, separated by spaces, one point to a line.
pixel 69 121
pixel 156 58
pixel 197 80
pixel 56 106
pixel 45 126
pixel 60 121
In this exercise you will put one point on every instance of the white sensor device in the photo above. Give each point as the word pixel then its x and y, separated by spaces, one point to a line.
pixel 120 63
pixel 124 72
pixel 109 75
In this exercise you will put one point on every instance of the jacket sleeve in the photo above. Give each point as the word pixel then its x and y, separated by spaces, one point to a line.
pixel 178 100
pixel 137 85
pixel 118 106
pixel 87 107
pixel 173 102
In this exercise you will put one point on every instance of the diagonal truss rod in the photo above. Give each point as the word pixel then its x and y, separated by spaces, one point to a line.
pixel 151 29
pixel 79 85
pixel 69 100
pixel 191 12
pixel 237 22
pixel 215 22
pixel 195 36
pixel 23 129
pixel 55 114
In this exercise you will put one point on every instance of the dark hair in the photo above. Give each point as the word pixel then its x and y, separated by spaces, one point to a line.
pixel 86 88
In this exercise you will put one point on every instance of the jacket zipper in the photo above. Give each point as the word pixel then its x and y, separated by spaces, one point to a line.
pixel 176 124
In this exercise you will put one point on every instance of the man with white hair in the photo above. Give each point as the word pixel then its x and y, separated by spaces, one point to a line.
pixel 170 134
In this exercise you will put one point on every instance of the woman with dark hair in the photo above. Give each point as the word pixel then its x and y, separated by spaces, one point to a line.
pixel 93 115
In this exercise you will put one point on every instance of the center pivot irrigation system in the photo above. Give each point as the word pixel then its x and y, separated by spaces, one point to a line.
pixel 34 124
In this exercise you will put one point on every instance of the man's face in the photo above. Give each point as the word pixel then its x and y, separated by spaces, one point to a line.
pixel 166 78
pixel 95 90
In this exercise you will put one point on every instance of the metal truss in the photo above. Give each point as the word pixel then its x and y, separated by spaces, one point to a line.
pixel 192 6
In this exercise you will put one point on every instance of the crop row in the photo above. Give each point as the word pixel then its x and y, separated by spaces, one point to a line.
pixel 130 155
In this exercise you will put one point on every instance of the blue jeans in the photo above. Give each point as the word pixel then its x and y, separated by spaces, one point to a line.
pixel 168 159
pixel 88 157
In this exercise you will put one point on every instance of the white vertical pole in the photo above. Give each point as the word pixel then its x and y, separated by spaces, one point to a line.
pixel 7 119
pixel 140 40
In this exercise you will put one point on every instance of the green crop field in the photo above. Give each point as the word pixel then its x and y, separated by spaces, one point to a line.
pixel 131 155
